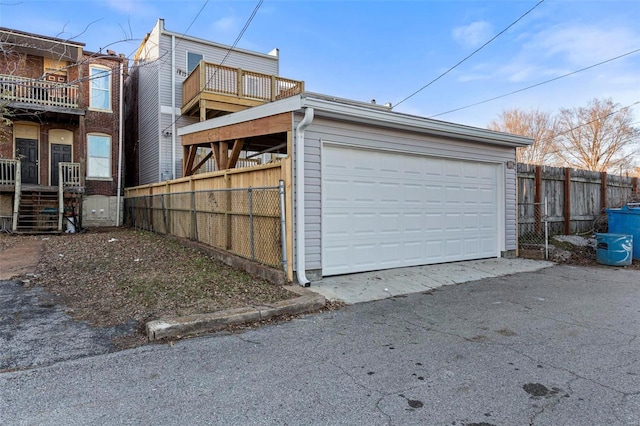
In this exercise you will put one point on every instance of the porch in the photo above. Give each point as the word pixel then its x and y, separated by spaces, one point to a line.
pixel 26 92
pixel 212 90
pixel 29 208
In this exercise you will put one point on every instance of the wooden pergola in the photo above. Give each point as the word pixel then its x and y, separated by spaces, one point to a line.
pixel 267 134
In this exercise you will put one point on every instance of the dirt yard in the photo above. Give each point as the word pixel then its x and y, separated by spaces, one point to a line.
pixel 109 277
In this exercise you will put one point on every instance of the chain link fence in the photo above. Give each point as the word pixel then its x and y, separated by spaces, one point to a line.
pixel 247 222
pixel 533 227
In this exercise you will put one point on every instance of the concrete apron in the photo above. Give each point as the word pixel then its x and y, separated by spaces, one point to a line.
pixel 377 285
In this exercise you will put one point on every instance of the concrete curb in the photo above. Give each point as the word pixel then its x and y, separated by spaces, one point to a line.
pixel 201 323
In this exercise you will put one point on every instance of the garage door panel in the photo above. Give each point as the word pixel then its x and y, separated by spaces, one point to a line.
pixel 383 210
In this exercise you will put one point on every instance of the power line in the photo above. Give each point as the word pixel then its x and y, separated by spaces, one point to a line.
pixel 235 43
pixel 537 84
pixel 470 55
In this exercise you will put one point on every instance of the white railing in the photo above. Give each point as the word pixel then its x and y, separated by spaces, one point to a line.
pixel 9 169
pixel 27 90
pixel 69 175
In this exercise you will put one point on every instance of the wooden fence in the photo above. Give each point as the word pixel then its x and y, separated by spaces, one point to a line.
pixel 575 198
pixel 219 209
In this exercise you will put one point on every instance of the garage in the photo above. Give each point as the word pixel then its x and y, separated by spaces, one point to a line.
pixel 367 188
pixel 384 209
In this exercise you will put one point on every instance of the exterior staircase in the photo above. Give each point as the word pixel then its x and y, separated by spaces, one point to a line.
pixel 41 209
pixel 38 211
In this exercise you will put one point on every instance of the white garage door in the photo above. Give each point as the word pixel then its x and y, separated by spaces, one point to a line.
pixel 384 210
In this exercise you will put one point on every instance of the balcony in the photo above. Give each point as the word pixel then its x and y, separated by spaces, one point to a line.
pixel 211 90
pixel 28 93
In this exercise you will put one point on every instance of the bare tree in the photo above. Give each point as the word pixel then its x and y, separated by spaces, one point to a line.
pixel 599 137
pixel 535 124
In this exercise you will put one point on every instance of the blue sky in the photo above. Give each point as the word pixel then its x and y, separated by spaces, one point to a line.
pixel 386 50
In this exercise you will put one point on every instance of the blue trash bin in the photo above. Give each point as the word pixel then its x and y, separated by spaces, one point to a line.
pixel 626 221
pixel 614 249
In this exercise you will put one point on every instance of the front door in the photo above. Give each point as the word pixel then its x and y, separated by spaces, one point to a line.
pixel 59 154
pixel 27 151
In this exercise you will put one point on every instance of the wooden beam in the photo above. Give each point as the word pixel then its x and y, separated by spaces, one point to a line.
pixel 188 166
pixel 224 155
pixel 235 152
pixel 201 163
pixel 279 123
pixel 216 154
pixel 203 109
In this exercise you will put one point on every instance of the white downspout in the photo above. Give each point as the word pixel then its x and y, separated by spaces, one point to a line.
pixel 299 191
pixel 173 107
pixel 120 142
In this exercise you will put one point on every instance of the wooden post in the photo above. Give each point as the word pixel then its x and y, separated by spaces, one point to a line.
pixel 537 197
pixel 634 187
pixel 194 220
pixel 224 155
pixel 273 88
pixel 235 152
pixel 239 83
pixel 567 201
pixel 202 76
pixel 229 208
pixel 603 191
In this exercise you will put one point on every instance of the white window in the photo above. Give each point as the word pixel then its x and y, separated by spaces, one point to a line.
pixel 98 156
pixel 193 59
pixel 100 88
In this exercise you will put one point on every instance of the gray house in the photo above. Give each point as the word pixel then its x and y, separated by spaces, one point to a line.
pixel 177 80
pixel 376 189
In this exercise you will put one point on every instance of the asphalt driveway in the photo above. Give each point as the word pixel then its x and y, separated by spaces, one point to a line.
pixel 558 346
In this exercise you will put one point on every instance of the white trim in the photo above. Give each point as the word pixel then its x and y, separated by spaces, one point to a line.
pixel 362 113
pixel 104 135
pixel 166 109
pixel 91 78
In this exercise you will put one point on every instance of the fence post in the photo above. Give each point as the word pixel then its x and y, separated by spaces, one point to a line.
pixel 253 252
pixel 634 187
pixel 283 226
pixel 164 214
pixel 194 226
pixel 567 201
pixel 603 191
pixel 537 197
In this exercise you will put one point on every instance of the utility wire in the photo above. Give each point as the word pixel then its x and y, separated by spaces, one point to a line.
pixel 537 84
pixel 235 43
pixel 470 55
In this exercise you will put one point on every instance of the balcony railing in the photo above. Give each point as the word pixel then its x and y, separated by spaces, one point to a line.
pixel 236 82
pixel 37 92
pixel 9 171
pixel 70 175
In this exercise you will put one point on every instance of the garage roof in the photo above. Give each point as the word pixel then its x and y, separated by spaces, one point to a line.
pixel 360 112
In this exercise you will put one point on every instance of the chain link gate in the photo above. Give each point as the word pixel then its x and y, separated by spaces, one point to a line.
pixel 533 227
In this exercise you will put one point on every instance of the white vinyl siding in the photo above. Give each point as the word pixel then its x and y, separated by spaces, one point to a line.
pixel 149 123
pixel 98 156
pixel 364 136
pixel 156 93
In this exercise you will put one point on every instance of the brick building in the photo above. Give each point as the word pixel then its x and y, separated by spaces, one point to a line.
pixel 65 107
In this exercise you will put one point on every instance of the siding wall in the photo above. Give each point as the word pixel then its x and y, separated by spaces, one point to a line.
pixel 155 96
pixel 214 54
pixel 359 135
pixel 148 127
